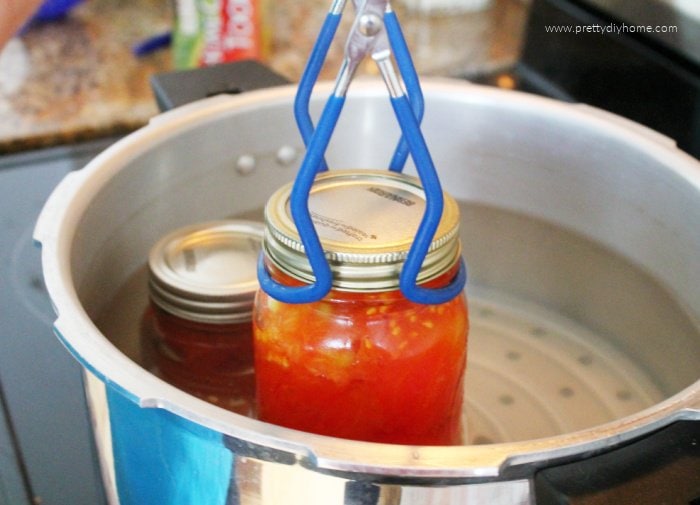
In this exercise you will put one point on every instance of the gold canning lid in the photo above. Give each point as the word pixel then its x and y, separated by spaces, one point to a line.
pixel 207 272
pixel 366 221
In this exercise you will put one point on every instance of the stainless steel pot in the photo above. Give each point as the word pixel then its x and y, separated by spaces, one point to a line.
pixel 581 235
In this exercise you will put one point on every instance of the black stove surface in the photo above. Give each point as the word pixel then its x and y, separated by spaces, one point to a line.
pixel 673 28
pixel 650 77
pixel 46 450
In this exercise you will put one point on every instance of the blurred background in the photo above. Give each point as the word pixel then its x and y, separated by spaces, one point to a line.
pixel 71 78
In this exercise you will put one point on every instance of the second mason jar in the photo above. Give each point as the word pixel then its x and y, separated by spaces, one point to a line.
pixel 364 362
pixel 197 329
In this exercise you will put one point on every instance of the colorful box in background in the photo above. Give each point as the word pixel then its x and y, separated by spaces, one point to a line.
pixel 208 32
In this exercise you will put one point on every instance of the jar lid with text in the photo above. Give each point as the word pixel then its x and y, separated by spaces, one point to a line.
pixel 366 221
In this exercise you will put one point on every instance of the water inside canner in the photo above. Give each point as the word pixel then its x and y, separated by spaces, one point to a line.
pixel 565 334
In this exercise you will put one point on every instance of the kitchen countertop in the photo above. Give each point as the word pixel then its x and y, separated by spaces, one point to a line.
pixel 77 78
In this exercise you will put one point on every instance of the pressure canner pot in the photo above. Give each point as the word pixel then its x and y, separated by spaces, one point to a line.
pixel 580 232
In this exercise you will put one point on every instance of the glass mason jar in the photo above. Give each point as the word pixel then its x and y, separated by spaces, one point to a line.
pixel 197 331
pixel 364 362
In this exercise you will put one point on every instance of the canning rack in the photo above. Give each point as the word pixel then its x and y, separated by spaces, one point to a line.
pixel 376 33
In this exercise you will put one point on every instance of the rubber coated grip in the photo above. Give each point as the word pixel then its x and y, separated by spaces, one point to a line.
pixel 431 217
pixel 310 76
pixel 299 206
pixel 410 79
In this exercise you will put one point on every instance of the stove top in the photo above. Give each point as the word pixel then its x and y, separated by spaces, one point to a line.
pixel 45 436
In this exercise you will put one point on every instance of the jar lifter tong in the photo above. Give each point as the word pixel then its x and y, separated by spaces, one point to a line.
pixel 376 33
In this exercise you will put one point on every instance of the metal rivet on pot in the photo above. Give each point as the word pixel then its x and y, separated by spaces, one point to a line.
pixel 245 164
pixel 286 155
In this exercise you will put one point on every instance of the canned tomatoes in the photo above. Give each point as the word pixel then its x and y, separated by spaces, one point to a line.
pixel 197 331
pixel 364 362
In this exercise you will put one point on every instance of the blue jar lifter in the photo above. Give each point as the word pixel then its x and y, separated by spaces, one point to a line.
pixel 375 32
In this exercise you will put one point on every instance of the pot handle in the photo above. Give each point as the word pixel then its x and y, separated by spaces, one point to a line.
pixel 663 467
pixel 179 87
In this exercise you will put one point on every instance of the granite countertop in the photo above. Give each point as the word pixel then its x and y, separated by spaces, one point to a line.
pixel 78 79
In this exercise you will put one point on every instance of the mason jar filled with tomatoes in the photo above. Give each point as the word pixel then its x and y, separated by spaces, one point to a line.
pixel 197 331
pixel 364 362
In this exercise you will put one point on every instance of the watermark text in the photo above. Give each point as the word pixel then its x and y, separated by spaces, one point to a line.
pixel 611 28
